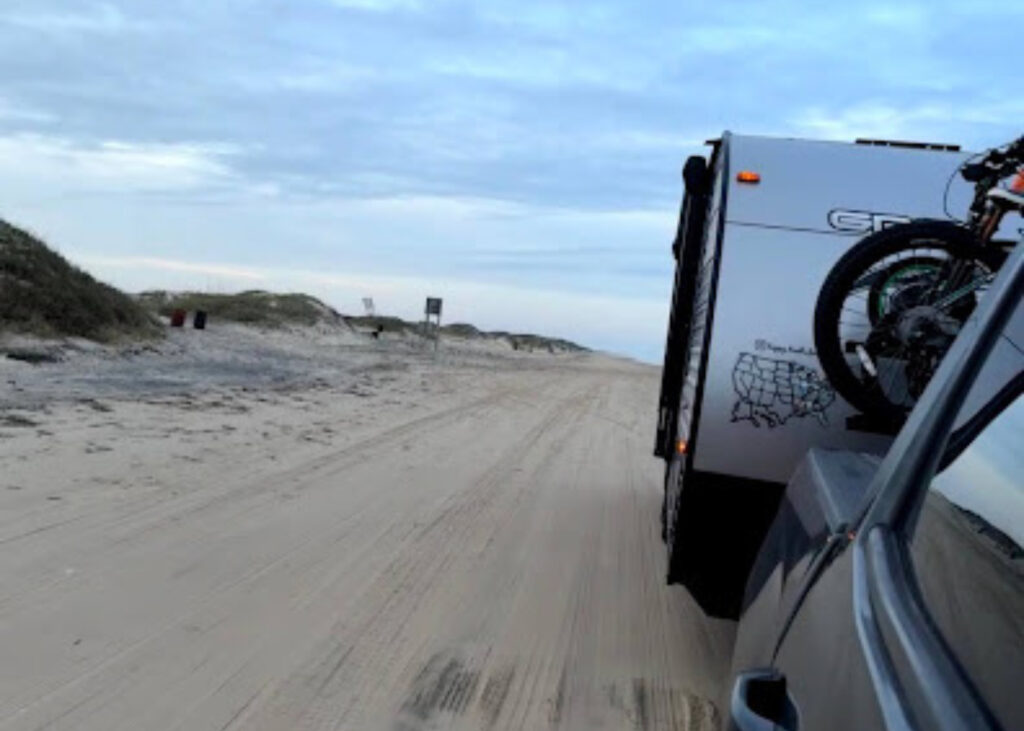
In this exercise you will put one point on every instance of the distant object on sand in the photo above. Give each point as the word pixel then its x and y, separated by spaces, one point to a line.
pixel 252 307
pixel 178 318
pixel 381 324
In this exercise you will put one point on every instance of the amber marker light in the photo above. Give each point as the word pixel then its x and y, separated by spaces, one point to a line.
pixel 681 446
pixel 748 176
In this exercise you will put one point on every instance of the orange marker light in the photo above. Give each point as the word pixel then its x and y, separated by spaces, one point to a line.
pixel 748 176
pixel 681 446
pixel 1017 186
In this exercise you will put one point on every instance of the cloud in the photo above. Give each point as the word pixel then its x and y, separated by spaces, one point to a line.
pixel 116 164
pixel 19 114
pixel 378 6
pixel 166 202
pixel 150 264
pixel 533 144
pixel 101 18
pixel 926 122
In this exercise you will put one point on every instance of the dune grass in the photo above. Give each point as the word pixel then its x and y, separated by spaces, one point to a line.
pixel 42 294
pixel 252 307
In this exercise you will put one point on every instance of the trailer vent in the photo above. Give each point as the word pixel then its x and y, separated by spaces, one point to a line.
pixel 910 145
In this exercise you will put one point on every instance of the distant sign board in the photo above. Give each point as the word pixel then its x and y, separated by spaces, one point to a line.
pixel 434 306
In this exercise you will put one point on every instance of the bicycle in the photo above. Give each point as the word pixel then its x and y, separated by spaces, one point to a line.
pixel 893 304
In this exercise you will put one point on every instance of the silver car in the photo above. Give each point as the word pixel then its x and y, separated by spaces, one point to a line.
pixel 889 591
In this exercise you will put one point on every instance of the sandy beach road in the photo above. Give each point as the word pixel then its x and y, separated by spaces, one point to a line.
pixel 474 554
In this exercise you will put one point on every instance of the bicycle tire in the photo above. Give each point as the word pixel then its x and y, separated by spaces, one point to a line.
pixel 951 237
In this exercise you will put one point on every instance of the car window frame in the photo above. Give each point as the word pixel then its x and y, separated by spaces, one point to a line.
pixel 909 662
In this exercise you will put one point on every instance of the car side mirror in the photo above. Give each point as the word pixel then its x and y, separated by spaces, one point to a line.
pixel 760 702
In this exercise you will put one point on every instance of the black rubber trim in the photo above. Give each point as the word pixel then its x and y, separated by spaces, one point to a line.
pixel 686 250
pixel 761 702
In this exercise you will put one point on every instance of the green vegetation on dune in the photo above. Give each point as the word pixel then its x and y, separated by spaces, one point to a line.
pixel 253 307
pixel 461 330
pixel 465 330
pixel 42 294
pixel 539 342
pixel 384 322
pixel 526 341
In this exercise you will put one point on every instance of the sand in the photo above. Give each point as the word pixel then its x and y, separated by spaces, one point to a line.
pixel 312 530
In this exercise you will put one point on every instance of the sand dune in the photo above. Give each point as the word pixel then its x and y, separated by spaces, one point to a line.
pixel 280 531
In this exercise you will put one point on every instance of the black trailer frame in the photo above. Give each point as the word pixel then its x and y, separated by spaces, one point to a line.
pixel 692 518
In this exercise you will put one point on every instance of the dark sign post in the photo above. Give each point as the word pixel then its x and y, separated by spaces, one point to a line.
pixel 433 310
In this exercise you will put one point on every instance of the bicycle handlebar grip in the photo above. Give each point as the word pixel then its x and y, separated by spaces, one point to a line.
pixel 1016 149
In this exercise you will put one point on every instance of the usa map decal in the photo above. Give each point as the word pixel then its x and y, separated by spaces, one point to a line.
pixel 771 391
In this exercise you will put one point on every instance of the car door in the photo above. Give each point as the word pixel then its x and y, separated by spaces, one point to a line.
pixel 916 621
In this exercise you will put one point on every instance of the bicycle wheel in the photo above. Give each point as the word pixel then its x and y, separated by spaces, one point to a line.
pixel 889 309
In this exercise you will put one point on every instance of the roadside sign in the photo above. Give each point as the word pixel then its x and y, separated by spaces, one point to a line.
pixel 432 320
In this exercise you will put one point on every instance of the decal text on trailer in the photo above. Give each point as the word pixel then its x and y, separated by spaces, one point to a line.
pixel 863 222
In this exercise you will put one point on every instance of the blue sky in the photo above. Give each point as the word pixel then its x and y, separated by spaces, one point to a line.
pixel 518 158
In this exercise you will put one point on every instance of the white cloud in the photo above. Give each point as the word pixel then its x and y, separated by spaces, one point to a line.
pixel 102 18
pixel 917 122
pixel 448 208
pixel 863 120
pixel 639 140
pixel 115 164
pixel 330 76
pixel 546 68
pixel 432 213
pixel 11 112
pixel 900 17
pixel 378 6
pixel 146 263
pixel 734 36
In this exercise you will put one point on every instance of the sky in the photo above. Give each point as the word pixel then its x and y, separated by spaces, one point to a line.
pixel 518 158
